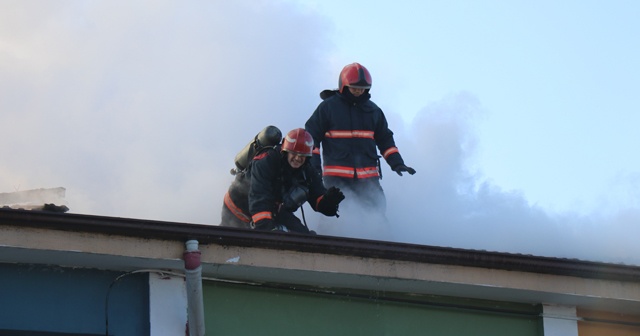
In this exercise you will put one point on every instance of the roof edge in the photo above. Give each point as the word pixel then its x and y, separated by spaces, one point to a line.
pixel 213 234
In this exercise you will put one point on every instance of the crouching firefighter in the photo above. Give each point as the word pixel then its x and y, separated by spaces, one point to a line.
pixel 282 180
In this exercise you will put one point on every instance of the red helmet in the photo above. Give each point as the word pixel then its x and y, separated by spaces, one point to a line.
pixel 355 76
pixel 298 141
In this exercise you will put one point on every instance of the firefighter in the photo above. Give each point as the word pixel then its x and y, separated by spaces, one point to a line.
pixel 282 180
pixel 349 127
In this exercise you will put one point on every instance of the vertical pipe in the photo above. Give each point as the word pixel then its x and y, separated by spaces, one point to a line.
pixel 195 305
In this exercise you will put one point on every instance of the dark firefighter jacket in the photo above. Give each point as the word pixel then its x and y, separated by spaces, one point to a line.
pixel 272 178
pixel 349 132
pixel 236 199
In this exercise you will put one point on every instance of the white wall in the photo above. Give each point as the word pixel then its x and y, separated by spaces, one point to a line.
pixel 559 320
pixel 167 305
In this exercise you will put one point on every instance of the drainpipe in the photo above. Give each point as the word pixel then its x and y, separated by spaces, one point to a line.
pixel 195 306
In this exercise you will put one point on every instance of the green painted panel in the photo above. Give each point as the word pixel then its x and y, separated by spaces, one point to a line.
pixel 233 309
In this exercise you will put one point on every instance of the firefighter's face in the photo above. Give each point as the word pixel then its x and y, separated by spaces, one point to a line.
pixel 295 161
pixel 356 92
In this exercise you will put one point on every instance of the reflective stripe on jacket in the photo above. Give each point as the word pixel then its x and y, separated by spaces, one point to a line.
pixel 348 134
pixel 235 210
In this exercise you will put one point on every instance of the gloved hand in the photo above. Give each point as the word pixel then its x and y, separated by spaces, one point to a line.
pixel 265 225
pixel 280 228
pixel 402 168
pixel 329 203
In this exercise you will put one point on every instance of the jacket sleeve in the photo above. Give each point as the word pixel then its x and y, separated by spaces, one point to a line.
pixel 262 197
pixel 316 187
pixel 386 143
pixel 317 125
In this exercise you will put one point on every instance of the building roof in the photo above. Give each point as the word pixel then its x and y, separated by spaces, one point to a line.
pixel 211 234
pixel 230 254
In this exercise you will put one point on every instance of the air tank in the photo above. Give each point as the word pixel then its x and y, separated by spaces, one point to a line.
pixel 268 137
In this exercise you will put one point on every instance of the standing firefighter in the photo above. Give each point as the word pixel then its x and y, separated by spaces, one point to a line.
pixel 282 180
pixel 349 126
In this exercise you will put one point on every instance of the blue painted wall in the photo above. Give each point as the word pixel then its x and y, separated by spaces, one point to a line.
pixel 72 300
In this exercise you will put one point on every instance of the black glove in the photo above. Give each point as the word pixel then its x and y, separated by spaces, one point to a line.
pixel 402 168
pixel 329 203
pixel 279 228
pixel 265 225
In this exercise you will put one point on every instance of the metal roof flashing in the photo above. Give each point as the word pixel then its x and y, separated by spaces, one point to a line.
pixel 211 234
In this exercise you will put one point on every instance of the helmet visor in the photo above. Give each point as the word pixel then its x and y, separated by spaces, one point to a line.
pixel 360 86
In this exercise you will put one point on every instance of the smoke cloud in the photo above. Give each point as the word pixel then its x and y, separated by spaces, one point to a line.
pixel 138 109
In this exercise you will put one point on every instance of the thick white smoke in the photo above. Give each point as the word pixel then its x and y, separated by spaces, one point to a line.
pixel 450 204
pixel 138 109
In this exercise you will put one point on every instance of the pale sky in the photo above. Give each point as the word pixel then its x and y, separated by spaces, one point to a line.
pixel 557 83
pixel 520 117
